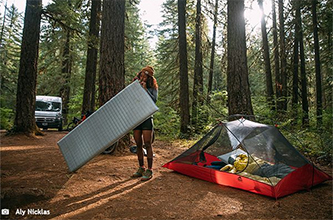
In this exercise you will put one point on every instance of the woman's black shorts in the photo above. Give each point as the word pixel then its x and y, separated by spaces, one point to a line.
pixel 146 125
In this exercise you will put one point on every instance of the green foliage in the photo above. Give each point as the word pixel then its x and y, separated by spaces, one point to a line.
pixel 167 56
pixel 217 108
pixel 312 141
pixel 316 145
pixel 137 50
pixel 166 121
pixel 74 106
pixel 6 118
pixel 63 18
pixel 9 63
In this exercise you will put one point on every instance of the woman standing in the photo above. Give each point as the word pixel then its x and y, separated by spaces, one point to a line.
pixel 143 134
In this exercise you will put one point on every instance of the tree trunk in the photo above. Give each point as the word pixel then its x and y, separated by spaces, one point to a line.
pixel 268 72
pixel 112 71
pixel 198 75
pixel 27 78
pixel 283 70
pixel 294 100
pixel 183 69
pixel 317 64
pixel 239 94
pixel 305 104
pixel 90 77
pixel 112 52
pixel 66 73
pixel 212 56
pixel 278 83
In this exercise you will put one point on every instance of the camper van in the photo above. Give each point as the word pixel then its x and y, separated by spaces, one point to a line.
pixel 48 112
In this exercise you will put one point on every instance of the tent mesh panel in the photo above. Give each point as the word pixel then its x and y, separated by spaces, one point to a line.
pixel 269 154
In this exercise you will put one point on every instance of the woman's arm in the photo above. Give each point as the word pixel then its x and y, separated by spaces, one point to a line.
pixel 153 93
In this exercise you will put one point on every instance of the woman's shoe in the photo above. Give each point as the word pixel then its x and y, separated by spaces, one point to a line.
pixel 147 175
pixel 139 173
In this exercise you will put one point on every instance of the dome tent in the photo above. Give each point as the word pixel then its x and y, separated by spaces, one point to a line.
pixel 249 156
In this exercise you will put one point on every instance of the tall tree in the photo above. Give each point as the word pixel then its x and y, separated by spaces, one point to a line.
pixel 91 64
pixel 27 78
pixel 112 50
pixel 295 80
pixel 112 54
pixel 198 75
pixel 268 72
pixel 283 67
pixel 212 55
pixel 66 72
pixel 305 105
pixel 326 48
pixel 277 73
pixel 183 69
pixel 239 95
pixel 317 63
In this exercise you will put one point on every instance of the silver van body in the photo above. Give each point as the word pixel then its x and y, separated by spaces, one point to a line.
pixel 48 112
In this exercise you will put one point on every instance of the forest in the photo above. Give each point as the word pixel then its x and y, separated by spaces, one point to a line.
pixel 210 62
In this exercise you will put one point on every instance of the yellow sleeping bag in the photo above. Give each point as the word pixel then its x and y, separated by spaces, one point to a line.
pixel 243 163
pixel 247 166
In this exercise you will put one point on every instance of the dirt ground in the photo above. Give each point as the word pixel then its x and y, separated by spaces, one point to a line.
pixel 36 184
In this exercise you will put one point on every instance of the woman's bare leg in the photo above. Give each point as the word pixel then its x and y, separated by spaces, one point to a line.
pixel 147 138
pixel 139 151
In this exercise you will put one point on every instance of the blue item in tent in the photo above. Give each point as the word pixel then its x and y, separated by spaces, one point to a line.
pixel 215 167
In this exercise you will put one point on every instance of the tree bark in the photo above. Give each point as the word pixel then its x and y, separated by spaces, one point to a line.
pixel 112 55
pixel 283 68
pixel 183 69
pixel 27 79
pixel 239 94
pixel 305 104
pixel 317 64
pixel 268 71
pixel 212 56
pixel 198 75
pixel 66 76
pixel 91 65
pixel 112 50
pixel 294 100
pixel 278 83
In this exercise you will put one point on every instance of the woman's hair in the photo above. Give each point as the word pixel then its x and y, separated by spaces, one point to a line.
pixel 151 81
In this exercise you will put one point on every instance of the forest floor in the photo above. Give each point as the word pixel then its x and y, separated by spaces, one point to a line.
pixel 35 178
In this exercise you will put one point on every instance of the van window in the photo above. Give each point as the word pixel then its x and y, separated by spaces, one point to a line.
pixel 48 106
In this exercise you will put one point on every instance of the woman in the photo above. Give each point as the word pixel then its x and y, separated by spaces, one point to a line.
pixel 144 132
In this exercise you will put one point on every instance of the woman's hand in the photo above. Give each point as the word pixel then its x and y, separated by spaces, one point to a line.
pixel 143 84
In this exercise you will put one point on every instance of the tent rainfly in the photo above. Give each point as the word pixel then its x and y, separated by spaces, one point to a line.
pixel 250 156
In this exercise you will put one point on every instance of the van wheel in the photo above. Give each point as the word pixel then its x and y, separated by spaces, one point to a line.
pixel 111 149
